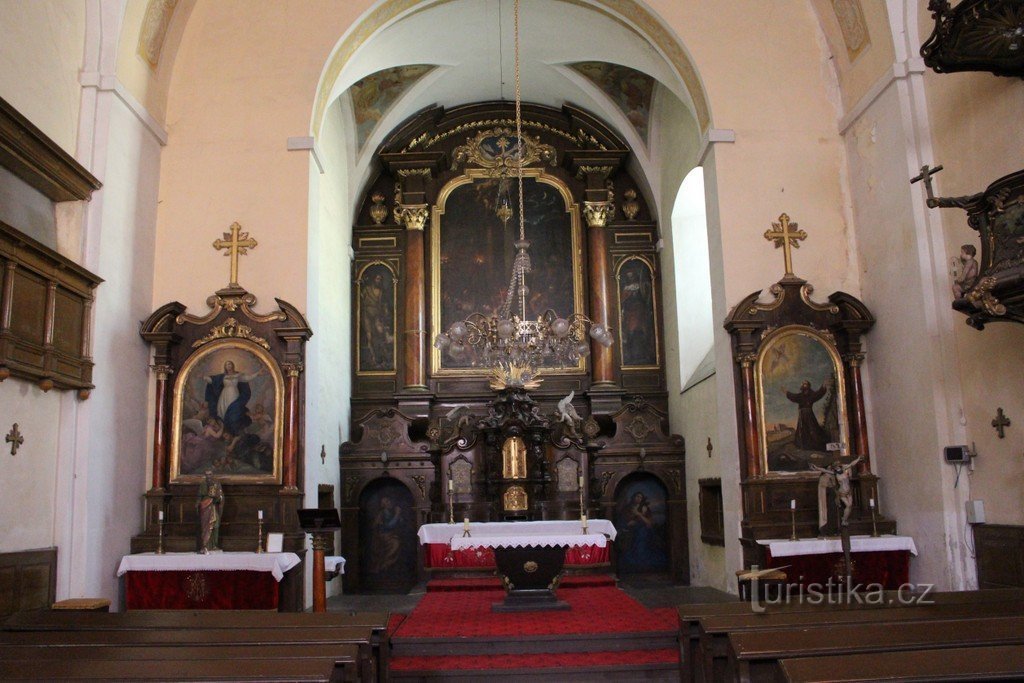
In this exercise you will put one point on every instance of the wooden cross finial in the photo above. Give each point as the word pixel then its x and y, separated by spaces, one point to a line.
pixel 236 242
pixel 786 238
pixel 14 438
pixel 1000 423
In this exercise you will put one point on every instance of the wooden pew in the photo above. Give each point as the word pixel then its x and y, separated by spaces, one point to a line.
pixel 1001 662
pixel 357 636
pixel 715 631
pixel 755 655
pixel 373 663
pixel 345 657
pixel 690 616
pixel 312 670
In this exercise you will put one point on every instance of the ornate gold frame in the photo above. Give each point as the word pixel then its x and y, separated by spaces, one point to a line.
pixel 618 313
pixel 572 208
pixel 394 318
pixel 837 364
pixel 178 398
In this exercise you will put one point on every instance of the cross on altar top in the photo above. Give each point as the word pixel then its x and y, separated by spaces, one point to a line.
pixel 236 242
pixel 785 237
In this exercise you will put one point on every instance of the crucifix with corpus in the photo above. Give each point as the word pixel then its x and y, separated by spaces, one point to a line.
pixel 785 235
pixel 235 242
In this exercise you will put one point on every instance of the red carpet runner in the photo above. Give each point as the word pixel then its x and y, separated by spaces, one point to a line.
pixel 453 631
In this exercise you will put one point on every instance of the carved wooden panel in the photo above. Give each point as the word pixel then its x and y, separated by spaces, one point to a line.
pixel 28 580
pixel 45 309
pixel 712 514
pixel 1000 552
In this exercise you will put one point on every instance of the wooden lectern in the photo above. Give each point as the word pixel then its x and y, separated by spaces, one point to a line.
pixel 320 524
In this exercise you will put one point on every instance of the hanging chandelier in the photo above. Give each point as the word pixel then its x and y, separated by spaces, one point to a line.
pixel 512 345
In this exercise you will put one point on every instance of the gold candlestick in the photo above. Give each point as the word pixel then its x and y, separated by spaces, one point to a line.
pixel 451 503
pixel 792 517
pixel 259 535
pixel 160 537
pixel 874 523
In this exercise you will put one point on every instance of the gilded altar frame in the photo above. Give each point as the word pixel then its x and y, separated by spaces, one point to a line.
pixel 436 224
pixel 178 398
pixel 767 372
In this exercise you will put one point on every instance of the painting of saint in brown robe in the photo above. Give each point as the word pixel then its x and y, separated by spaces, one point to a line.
pixel 810 435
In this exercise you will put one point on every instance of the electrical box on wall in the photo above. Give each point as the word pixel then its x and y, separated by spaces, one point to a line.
pixel 957 454
pixel 975 512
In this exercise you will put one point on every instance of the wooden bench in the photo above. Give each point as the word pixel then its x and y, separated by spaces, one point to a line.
pixel 319 671
pixel 715 631
pixel 369 634
pixel 358 636
pixel 755 655
pixel 1001 662
pixel 690 616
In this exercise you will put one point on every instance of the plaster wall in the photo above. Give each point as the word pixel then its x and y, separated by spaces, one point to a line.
pixel 857 74
pixel 27 491
pixel 906 380
pixel 976 136
pixel 42 45
pixel 109 442
pixel 699 403
pixel 328 367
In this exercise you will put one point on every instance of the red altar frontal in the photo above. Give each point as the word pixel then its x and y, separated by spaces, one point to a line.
pixel 446 545
pixel 883 560
pixel 213 581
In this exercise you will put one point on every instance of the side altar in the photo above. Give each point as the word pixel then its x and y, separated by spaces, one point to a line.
pixel 229 387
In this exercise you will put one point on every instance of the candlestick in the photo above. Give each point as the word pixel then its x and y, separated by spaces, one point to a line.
pixel 465 527
pixel 792 520
pixel 160 534
pixel 874 520
pixel 583 519
pixel 451 504
pixel 259 533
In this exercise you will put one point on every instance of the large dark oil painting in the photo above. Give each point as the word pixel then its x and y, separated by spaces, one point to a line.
pixel 801 402
pixel 475 252
pixel 376 320
pixel 638 333
pixel 387 533
pixel 228 403
pixel 641 514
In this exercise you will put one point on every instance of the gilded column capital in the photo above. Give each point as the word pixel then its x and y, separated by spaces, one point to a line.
pixel 162 372
pixel 853 359
pixel 597 213
pixel 413 216
pixel 746 360
pixel 293 369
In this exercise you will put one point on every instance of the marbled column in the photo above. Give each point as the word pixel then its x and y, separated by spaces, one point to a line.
pixel 291 426
pixel 415 219
pixel 161 427
pixel 602 357
pixel 750 436
pixel 858 418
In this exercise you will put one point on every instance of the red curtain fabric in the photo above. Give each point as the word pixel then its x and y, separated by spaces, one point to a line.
pixel 441 555
pixel 889 568
pixel 200 590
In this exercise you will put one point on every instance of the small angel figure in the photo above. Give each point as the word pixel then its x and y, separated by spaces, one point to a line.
pixel 567 415
pixel 459 418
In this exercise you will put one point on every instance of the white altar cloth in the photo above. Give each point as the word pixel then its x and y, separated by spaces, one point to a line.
pixel 275 563
pixel 820 546
pixel 544 540
pixel 447 533
pixel 334 563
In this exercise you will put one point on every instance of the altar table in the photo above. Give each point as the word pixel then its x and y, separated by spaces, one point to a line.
pixel 446 547
pixel 213 581
pixel 876 559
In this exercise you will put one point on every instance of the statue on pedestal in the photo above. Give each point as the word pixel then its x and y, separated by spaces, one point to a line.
pixel 209 506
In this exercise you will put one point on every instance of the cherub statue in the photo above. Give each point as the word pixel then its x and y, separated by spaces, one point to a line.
pixel 835 476
pixel 458 418
pixel 567 415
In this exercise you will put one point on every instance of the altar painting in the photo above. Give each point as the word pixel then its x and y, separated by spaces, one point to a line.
pixel 228 415
pixel 641 514
pixel 473 253
pixel 638 327
pixel 387 532
pixel 376 320
pixel 801 403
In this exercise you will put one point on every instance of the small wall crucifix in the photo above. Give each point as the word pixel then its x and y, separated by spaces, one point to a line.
pixel 236 242
pixel 14 438
pixel 1001 423
pixel 787 238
